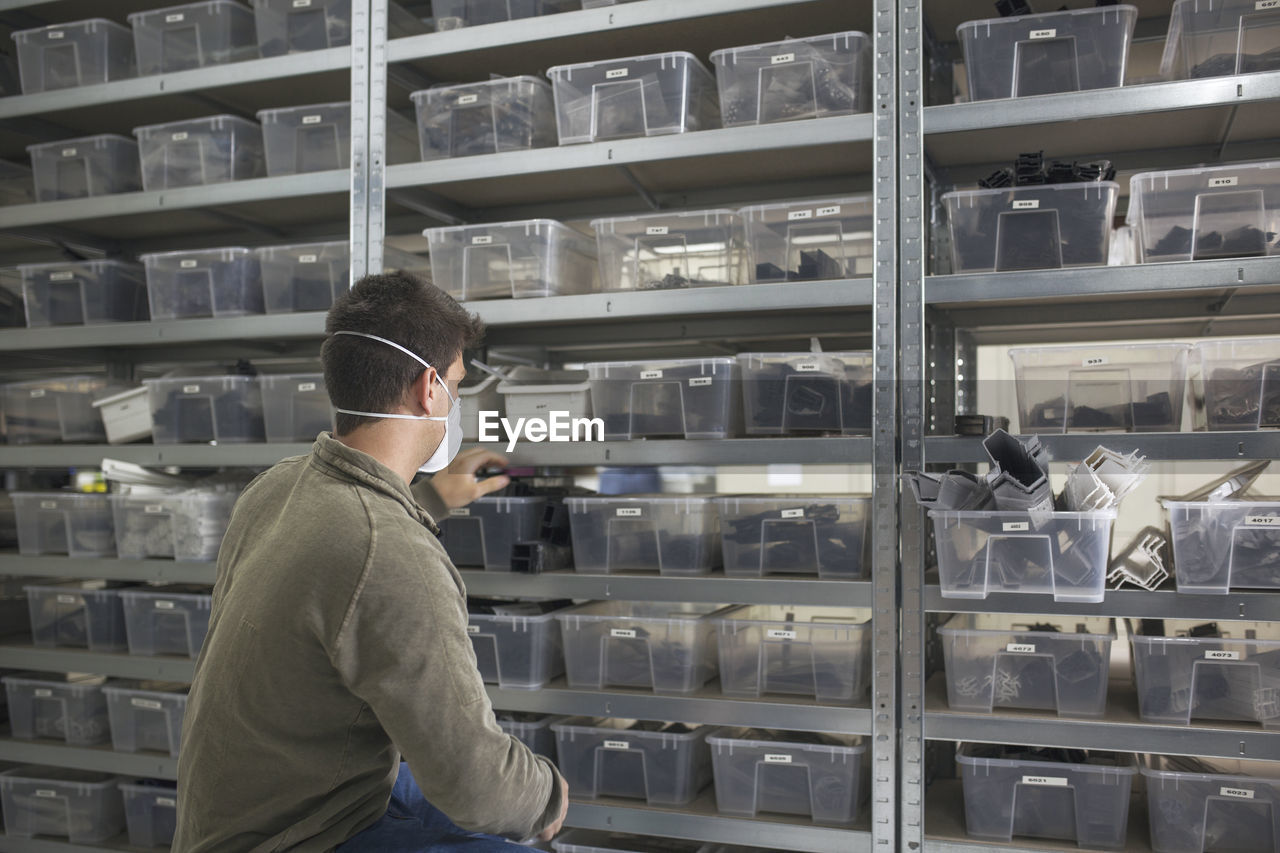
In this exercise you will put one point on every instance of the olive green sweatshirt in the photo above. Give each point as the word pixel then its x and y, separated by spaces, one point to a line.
pixel 338 646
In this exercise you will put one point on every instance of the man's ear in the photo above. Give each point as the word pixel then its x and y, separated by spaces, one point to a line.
pixel 424 390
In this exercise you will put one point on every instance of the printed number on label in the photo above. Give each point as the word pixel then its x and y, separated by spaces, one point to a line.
pixel 187 264
pixel 1056 781
pixel 699 381
pixel 170 801
pixel 770 758
pixel 308 259
pixel 164 605
pixel 481 240
pixel 1021 648
pixel 311 119
pixel 1044 34
pixel 779 634
pixel 1216 655
pixel 617 744
pixel 1016 526
pixel 1027 204
pixel 46 793
pixel 780 58
pixel 463 100
pixel 173 19
pixel 1262 520
pixel 42 692
pixel 829 211
pixel 68 599
pixel 179 136
pixel 623 633
pixel 149 704
pixel 1266 4
pixel 152 509
pixel 461 511
pixel 306 386
pixel 61 276
pixel 57 34
pixel 69 152
pixel 651 374
pixel 473 629
pixel 1096 361
pixel 792 513
pixel 807 367
pixel 1238 793
pixel 615 73
pixel 190 389
pixel 799 214
pixel 1223 182
pixel 301 4
pixel 628 512
pixel 656 230
pixel 37 393
pixel 48 504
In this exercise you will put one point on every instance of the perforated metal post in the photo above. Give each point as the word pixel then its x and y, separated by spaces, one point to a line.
pixel 368 134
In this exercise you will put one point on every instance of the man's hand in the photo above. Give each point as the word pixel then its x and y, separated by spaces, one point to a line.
pixel 457 485
pixel 554 829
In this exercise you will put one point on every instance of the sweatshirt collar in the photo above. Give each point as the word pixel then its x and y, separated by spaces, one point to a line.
pixel 359 466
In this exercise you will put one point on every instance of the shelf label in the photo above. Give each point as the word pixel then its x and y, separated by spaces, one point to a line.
pixel 48 504
pixel 37 393
pixel 463 100
pixel 301 4
pixel 42 693
pixel 188 263
pixel 1262 520
pixel 656 230
pixel 1266 4
pixel 651 374
pixel 61 276
pixel 69 152
pixel 473 629
pixel 833 210
pixel 174 18
pixel 779 634
pixel 792 513
pixel 1223 182
pixel 1016 526
pixel 190 389
pixel 56 34
pixel 1027 204
pixel 68 599
pixel 1214 655
pixel 623 633
pixel 311 119
pixel 807 367
pixel 149 704
pixel 1044 34
pixel 1095 361
pixel 780 58
pixel 152 509
pixel 46 793
pixel 180 136
pixel 700 381
pixel 1052 781
pixel 308 259
pixel 482 239
pixel 170 801
pixel 799 214
pixel 617 744
pixel 774 758
pixel 615 73
pixel 1238 793
pixel 1021 648
pixel 306 386
pixel 164 605
pixel 460 512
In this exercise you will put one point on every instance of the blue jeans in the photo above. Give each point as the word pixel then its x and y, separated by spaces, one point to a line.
pixel 413 825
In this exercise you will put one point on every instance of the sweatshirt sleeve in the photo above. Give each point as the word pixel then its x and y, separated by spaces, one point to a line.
pixel 403 649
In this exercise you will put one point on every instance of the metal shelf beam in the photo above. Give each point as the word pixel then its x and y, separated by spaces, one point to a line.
pixel 715 589
pixel 151 455
pixel 106 568
pixel 1073 447
pixel 118 664
pixel 99 758
pixel 1256 606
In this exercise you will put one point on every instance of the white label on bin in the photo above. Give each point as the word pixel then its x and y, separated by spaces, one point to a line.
pixel 42 692
pixel 833 210
pixel 473 629
pixel 190 389
pixel 628 512
pixel 173 19
pixel 699 381
pixel 170 801
pixel 301 4
pixel 68 599
pixel 1021 648
pixel 799 214
pixel 1222 182
pixel 615 73
pixel 1218 655
pixel 38 392
pixel 179 136
pixel 462 511
pixel 61 276
pixel 48 504
pixel 1238 793
pixel 1095 361
pixel 656 230
pixel 792 513
pixel 1026 204
pixel 188 263
pixel 152 509
pixel 779 634
pixel 311 119
pixel 149 704
pixel 56 34
pixel 463 100
pixel 481 240
pixel 617 744
pixel 1262 520
pixel 307 259
pixel 1044 34
pixel 1016 526
pixel 164 605
pixel 623 633
pixel 807 367
pixel 780 58
pixel 1266 4
pixel 1052 781
pixel 306 386
pixel 651 374
pixel 70 152
pixel 46 793
pixel 775 758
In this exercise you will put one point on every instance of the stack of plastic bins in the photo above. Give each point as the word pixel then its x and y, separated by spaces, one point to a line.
pixel 1012 790
pixel 673 535
pixel 481 534
pixel 1224 545
pixel 83 293
pixel 670 648
pixel 689 398
pixel 296 26
pixel 295 407
pixel 790 393
pixel 78 614
pixel 70 708
pixel 146 715
pixel 1196 671
pixel 1241 382
pixel 51 410
pixel 1050 226
pixel 504 114
pixel 223 409
pixel 81 53
pixel 305 277
pixel 1213 38
pixel 206 283
pixel 1067 51
pixel 452 14
pixel 1197 804
pixel 151 812
pixel 533 730
pixel 663 765
pixel 70 523
pixel 167 620
pixel 197 35
pixel 823 652
pixel 827 75
pixel 186 525
pixel 598 841
pixel 636 96
pixel 1061 553
pixel 1207 212
pixel 671 250
pixel 80 168
pixel 810 240
pixel 201 151
pixel 817 776
pixel 517 648
pixel 537 257
pixel 790 535
pixel 80 805
pixel 998 660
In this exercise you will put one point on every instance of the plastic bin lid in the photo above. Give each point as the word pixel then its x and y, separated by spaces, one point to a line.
pixel 527 225
pixel 82 140
pixel 866 198
pixel 203 120
pixel 670 55
pixel 720 361
pixel 86 23
pixel 40 773
pixel 91 264
pixel 220 377
pixel 674 214
pixel 1076 186
pixel 151 13
pixel 647 499
pixel 1166 174
pixel 1041 16
pixel 441 88
pixel 1101 346
pixel 272 113
pixel 234 250
pixel 849 35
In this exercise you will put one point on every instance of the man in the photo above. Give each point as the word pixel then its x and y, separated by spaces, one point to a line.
pixel 338 641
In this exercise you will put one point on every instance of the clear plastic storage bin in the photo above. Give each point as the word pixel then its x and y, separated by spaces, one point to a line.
pixel 674 535
pixel 305 277
pixel 533 730
pixel 532 392
pixel 169 620
pixel 80 168
pixel 151 812
pixel 314 138
pixel 83 293
pixel 1207 212
pixel 452 14
pixel 1225 545
pixel 187 525
pixel 222 409
pixel 599 841
pixel 78 614
pixel 296 26
pixel 295 407
pixel 200 151
pixel 1241 382
pixel 818 776
pixel 70 708
pixel 203 283
pixel 1201 804
pixel 998 660
pixel 1067 51
pixel 1100 387
pixel 661 764
pixel 1031 228
pixel 80 53
pixel 1008 791
pixel 537 257
pixel 789 393
pixel 481 533
pixel 146 715
pixel 79 805
pixel 51 410
pixel 637 96
pixel 197 35
pixel 670 648
pixel 827 75
pixel 823 652
pixel 77 525
pixel 489 117
pixel 793 535
pixel 1063 554
pixel 1194 671
pixel 661 251
pixel 810 240
pixel 1213 38
pixel 693 398
pixel 16 184
pixel 514 650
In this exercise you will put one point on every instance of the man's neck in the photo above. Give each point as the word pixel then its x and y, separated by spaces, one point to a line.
pixel 386 442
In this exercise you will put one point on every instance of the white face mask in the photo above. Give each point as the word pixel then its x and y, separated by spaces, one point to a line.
pixel 452 439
